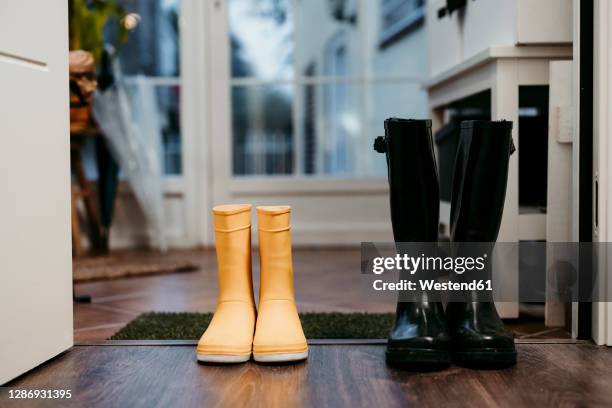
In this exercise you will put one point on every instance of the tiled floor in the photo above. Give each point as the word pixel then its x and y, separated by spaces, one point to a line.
pixel 325 280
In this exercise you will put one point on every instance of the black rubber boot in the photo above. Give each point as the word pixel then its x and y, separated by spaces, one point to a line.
pixel 419 337
pixel 478 336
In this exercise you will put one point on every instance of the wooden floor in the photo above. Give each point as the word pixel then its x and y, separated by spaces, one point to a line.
pixel 324 282
pixel 116 302
pixel 149 374
pixel 334 376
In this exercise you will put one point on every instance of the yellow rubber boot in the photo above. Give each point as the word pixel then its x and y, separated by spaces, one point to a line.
pixel 278 335
pixel 229 337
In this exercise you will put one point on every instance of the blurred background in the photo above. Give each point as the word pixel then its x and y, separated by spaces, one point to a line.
pixel 305 88
pixel 200 103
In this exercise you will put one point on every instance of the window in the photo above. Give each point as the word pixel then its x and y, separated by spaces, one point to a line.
pixel 310 87
pixel 152 51
pixel 398 17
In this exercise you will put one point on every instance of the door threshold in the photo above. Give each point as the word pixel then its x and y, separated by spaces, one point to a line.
pixel 312 342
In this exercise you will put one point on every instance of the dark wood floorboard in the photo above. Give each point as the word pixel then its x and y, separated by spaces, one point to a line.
pixel 335 376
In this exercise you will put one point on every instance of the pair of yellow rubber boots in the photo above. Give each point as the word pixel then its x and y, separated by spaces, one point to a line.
pixel 274 333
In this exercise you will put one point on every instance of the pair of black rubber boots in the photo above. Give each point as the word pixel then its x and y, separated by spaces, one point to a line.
pixel 469 333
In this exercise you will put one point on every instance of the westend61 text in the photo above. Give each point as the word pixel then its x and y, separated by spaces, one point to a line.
pixel 432 285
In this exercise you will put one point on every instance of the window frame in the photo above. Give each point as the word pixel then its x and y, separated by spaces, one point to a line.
pixel 403 26
pixel 299 82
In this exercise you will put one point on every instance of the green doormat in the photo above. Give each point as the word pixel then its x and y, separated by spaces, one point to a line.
pixel 190 326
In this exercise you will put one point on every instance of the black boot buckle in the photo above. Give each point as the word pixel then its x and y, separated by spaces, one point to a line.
pixel 380 145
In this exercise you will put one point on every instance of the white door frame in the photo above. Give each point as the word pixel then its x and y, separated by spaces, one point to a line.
pixel 195 119
pixel 602 153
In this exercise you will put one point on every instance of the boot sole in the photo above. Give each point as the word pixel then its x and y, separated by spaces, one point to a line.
pixel 493 358
pixel 223 358
pixel 418 358
pixel 280 358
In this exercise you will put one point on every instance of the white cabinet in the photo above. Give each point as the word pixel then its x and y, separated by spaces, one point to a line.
pixel 544 22
pixel 488 23
pixel 497 46
pixel 483 24
pixel 502 71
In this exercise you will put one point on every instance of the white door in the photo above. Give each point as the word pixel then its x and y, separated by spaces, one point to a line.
pixel 36 271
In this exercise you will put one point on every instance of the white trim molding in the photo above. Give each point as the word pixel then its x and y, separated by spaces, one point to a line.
pixel 602 134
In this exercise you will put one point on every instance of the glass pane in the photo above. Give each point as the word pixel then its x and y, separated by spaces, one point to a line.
pixel 331 138
pixel 397 44
pixel 334 47
pixel 399 16
pixel 391 99
pixel 335 136
pixel 168 99
pixel 342 129
pixel 262 128
pixel 166 123
pixel 261 38
pixel 152 48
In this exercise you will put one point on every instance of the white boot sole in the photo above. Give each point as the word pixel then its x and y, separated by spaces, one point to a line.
pixel 280 358
pixel 222 358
